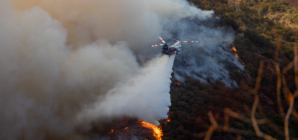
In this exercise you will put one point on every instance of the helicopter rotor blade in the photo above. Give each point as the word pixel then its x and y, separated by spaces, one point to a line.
pixel 162 40
pixel 189 41
pixel 171 37
pixel 156 45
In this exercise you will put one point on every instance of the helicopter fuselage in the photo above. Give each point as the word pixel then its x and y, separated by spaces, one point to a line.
pixel 174 49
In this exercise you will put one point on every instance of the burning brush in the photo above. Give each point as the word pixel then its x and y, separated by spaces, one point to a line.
pixel 234 51
pixel 157 132
pixel 134 128
pixel 178 84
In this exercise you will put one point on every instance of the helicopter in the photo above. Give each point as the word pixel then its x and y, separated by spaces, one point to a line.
pixel 174 49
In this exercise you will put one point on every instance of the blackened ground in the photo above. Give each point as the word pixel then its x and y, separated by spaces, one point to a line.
pixel 192 99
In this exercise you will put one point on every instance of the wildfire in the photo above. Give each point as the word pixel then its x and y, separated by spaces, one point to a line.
pixel 157 133
pixel 168 120
pixel 178 84
pixel 234 49
pixel 112 131
pixel 237 56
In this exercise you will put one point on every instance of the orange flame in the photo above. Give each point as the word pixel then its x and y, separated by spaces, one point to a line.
pixel 168 120
pixel 178 84
pixel 237 56
pixel 112 131
pixel 233 50
pixel 157 133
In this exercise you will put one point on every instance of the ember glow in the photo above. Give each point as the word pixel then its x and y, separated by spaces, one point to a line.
pixel 157 132
pixel 237 56
pixel 234 51
pixel 178 84
pixel 112 131
pixel 168 120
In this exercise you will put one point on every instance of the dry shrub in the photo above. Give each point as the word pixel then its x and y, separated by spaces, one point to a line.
pixel 281 85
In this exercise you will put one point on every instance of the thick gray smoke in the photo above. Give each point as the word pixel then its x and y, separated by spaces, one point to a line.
pixel 70 62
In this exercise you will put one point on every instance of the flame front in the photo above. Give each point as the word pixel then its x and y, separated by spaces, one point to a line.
pixel 234 51
pixel 157 132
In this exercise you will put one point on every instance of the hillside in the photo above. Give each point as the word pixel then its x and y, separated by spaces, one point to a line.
pixel 280 12
pixel 265 37
pixel 293 2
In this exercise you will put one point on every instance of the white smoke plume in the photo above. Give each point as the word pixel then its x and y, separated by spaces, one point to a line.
pixel 143 96
pixel 44 82
pixel 60 59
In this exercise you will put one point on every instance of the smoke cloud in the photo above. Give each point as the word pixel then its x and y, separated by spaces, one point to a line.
pixel 208 59
pixel 143 96
pixel 66 63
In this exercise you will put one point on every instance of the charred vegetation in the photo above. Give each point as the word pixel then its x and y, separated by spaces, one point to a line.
pixel 262 106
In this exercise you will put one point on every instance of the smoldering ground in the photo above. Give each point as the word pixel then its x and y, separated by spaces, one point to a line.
pixel 209 58
pixel 65 63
